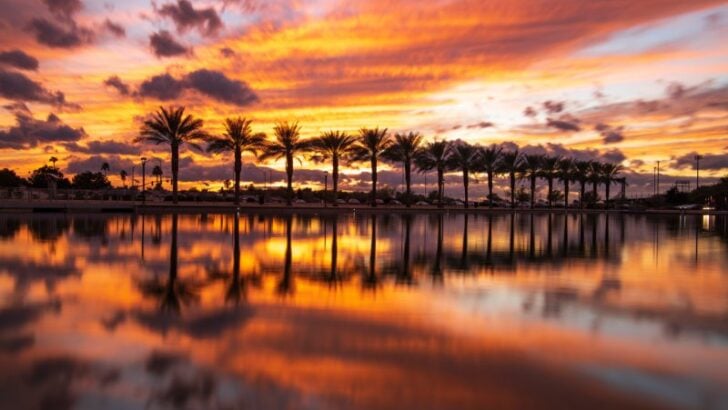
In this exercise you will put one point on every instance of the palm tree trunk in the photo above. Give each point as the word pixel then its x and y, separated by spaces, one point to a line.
pixel 513 189
pixel 175 171
pixel 595 185
pixel 335 179
pixel 465 185
pixel 238 170
pixel 490 188
pixel 440 186
pixel 289 175
pixel 551 188
pixel 374 181
pixel 533 189
pixel 606 194
pixel 566 193
pixel 581 194
pixel 408 181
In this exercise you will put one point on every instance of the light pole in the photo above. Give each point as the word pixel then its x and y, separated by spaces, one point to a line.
pixel 326 185
pixel 698 157
pixel 144 175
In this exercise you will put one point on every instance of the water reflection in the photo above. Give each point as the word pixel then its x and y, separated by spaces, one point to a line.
pixel 343 310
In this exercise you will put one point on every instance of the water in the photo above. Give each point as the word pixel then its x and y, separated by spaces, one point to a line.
pixel 363 311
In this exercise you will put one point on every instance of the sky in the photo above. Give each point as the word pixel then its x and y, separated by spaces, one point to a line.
pixel 633 82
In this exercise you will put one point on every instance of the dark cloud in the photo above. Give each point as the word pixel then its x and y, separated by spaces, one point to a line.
pixel 227 52
pixel 18 59
pixel 93 163
pixel 16 86
pixel 116 82
pixel 115 29
pixel 162 87
pixel 589 154
pixel 712 162
pixel 103 147
pixel 610 134
pixel 59 36
pixel 482 124
pixel 164 45
pixel 186 17
pixel 213 84
pixel 553 107
pixel 29 132
pixel 675 90
pixel 530 112
pixel 564 123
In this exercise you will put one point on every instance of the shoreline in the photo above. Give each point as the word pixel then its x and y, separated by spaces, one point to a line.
pixel 110 207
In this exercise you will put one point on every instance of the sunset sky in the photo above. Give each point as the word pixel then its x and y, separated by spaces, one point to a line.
pixel 625 81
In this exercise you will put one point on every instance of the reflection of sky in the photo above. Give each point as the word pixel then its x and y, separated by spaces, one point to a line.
pixel 616 308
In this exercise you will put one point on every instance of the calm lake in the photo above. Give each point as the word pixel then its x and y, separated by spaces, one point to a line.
pixel 363 311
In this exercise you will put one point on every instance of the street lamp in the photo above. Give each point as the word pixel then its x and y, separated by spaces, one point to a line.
pixel 144 175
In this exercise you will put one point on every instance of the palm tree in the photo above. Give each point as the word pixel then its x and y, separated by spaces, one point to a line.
pixel 237 138
pixel 609 173
pixel 550 171
pixel 105 169
pixel 464 157
pixel 595 176
pixel 404 149
pixel 581 171
pixel 565 173
pixel 532 169
pixel 370 146
pixel 171 126
pixel 434 155
pixel 53 160
pixel 157 173
pixel 287 144
pixel 123 175
pixel 490 158
pixel 334 145
pixel 512 163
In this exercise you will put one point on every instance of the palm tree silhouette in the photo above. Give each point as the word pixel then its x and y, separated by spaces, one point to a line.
pixel 490 158
pixel 565 172
pixel 595 176
pixel 549 171
pixel 157 173
pixel 581 171
pixel 53 160
pixel 370 146
pixel 404 149
pixel 105 169
pixel 610 174
pixel 512 164
pixel 123 175
pixel 464 157
pixel 237 138
pixel 532 169
pixel 287 144
pixel 334 145
pixel 434 155
pixel 171 126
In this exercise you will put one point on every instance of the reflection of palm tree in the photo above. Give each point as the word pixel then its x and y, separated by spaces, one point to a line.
pixel 406 275
pixel 371 145
pixel 371 280
pixel 512 238
pixel 334 145
pixel 287 145
pixel 172 127
pixel 549 240
pixel 175 292
pixel 238 139
pixel 334 275
pixel 285 286
pixel 489 249
pixel 531 239
pixel 437 266
pixel 404 148
pixel 464 254
pixel 237 290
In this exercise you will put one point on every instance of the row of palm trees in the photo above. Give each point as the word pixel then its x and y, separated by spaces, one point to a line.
pixel 173 127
